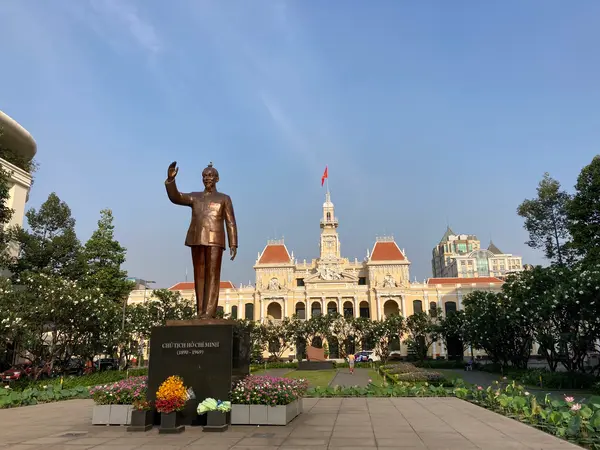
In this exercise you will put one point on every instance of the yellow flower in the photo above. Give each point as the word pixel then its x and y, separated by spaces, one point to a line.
pixel 172 388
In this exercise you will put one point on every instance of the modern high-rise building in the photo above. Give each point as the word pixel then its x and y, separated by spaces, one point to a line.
pixel 461 256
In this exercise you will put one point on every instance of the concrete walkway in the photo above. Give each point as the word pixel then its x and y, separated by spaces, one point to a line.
pixel 361 423
pixel 344 378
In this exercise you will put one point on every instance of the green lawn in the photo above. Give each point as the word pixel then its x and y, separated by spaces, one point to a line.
pixel 315 378
pixel 375 376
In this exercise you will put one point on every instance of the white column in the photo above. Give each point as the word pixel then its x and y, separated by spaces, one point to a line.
pixel 306 308
pixel 340 305
pixel 323 310
pixel 285 307
pixel 439 300
pixel 356 309
pixel 240 313
pixel 459 299
pixel 403 300
pixel 261 307
pixel 378 307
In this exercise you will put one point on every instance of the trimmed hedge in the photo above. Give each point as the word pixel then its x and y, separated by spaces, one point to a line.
pixel 407 372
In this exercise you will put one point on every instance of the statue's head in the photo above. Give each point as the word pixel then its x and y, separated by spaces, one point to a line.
pixel 210 176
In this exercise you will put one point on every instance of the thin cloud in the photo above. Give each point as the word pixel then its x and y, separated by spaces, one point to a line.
pixel 127 16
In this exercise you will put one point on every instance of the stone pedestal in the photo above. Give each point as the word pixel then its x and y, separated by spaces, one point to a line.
pixel 209 355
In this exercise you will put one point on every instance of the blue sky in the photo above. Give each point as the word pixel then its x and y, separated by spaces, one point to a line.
pixel 425 112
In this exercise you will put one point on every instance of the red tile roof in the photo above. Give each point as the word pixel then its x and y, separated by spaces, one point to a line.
pixel 188 286
pixel 386 251
pixel 456 280
pixel 274 254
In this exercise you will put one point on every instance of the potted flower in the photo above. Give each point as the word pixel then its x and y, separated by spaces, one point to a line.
pixel 113 402
pixel 170 400
pixel 217 414
pixel 142 415
pixel 265 400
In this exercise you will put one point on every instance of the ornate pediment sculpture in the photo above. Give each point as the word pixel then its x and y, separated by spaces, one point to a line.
pixel 389 282
pixel 274 284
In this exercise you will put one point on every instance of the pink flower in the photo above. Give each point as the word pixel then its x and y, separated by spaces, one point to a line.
pixel 576 407
pixel 569 399
pixel 479 388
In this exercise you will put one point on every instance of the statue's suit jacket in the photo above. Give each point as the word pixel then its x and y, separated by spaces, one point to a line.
pixel 210 213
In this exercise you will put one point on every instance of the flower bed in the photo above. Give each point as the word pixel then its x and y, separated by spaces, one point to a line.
pixel 408 372
pixel 113 402
pixel 265 400
pixel 576 422
pixel 397 389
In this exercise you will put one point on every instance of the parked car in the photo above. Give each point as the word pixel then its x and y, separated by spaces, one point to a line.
pixel 366 356
pixel 16 373
pixel 25 370
pixel 106 364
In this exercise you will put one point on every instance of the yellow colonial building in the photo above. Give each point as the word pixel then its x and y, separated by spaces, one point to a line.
pixel 374 287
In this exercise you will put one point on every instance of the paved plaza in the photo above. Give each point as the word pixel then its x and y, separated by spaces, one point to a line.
pixel 365 423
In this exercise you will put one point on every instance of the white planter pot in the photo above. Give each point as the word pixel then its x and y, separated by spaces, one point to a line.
pixel 101 415
pixel 120 414
pixel 258 414
pixel 240 414
pixel 111 414
pixel 265 415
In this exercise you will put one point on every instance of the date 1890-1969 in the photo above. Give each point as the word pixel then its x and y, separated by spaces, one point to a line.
pixel 189 352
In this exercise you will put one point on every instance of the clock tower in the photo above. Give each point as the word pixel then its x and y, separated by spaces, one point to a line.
pixel 330 242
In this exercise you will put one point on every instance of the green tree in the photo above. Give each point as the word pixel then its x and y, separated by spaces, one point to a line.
pixel 362 330
pixel 584 213
pixel 547 221
pixel 340 331
pixel 384 332
pixel 563 304
pixel 451 329
pixel 105 256
pixel 54 316
pixel 494 324
pixel 422 333
pixel 279 336
pixel 50 245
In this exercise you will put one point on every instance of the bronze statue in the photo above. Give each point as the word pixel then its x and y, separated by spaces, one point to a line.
pixel 211 210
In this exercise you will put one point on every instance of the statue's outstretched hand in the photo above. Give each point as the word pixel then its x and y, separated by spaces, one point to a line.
pixel 172 172
pixel 233 252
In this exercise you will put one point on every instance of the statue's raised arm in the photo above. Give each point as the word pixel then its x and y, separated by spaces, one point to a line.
pixel 174 195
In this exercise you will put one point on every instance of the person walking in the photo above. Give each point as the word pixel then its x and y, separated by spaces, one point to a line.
pixel 351 364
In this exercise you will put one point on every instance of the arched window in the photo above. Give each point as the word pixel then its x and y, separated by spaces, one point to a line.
pixel 315 309
pixel 300 310
pixel 390 308
pixel 417 306
pixel 328 216
pixel 331 307
pixel 348 309
pixel 450 307
pixel 364 310
pixel 234 312
pixel 249 311
pixel 274 311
